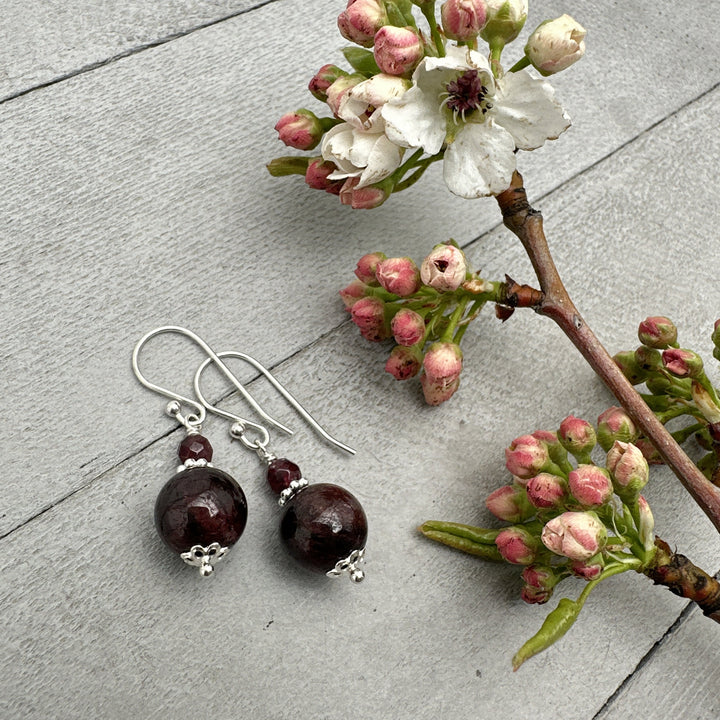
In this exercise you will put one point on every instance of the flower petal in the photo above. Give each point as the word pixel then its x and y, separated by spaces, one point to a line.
pixel 337 147
pixel 414 120
pixel 481 161
pixel 526 107
pixel 384 158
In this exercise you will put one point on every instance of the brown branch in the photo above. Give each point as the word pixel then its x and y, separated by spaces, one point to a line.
pixel 685 579
pixel 556 304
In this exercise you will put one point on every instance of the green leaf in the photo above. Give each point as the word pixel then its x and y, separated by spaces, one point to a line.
pixel 362 60
pixel 556 624
pixel 469 539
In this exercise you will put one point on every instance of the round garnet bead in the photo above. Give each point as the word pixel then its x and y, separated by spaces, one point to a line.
pixel 281 472
pixel 195 447
pixel 200 506
pixel 322 525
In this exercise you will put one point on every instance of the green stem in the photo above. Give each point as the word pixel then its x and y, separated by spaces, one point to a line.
pixel 454 319
pixel 475 310
pixel 520 64
pixel 428 10
pixel 496 49
pixel 682 435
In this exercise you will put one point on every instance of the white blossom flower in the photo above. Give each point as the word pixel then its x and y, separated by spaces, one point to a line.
pixel 456 103
pixel 359 146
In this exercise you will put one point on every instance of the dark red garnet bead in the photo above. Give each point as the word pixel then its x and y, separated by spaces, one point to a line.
pixel 195 447
pixel 200 506
pixel 323 524
pixel 280 473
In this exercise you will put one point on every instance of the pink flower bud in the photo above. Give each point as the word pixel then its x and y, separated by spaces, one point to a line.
pixel 577 436
pixel 463 19
pixel 397 50
pixel 360 21
pixel 404 362
pixel 339 89
pixel 575 535
pixel 300 129
pixel 590 485
pixel 588 569
pixel 546 490
pixel 556 44
pixel 628 467
pixel 657 332
pixel 682 363
pixel 510 503
pixel 647 524
pixel 505 20
pixel 399 276
pixel 540 581
pixel 353 292
pixel 444 269
pixel 367 266
pixel 517 545
pixel 317 173
pixel 526 457
pixel 323 79
pixel 365 198
pixel 443 361
pixel 408 328
pixel 615 424
pixel 368 314
pixel 438 391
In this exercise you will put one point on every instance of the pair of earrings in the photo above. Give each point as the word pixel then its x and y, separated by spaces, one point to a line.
pixel 201 512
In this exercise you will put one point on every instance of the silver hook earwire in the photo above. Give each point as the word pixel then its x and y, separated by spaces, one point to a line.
pixel 276 384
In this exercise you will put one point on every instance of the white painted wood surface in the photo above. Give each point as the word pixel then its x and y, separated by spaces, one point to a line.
pixel 135 194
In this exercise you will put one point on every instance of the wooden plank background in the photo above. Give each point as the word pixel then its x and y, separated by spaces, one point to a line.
pixel 133 139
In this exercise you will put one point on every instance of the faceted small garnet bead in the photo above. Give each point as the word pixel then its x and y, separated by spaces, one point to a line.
pixel 195 447
pixel 281 472
pixel 200 506
pixel 322 525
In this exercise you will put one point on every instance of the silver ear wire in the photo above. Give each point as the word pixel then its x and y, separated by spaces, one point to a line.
pixel 243 422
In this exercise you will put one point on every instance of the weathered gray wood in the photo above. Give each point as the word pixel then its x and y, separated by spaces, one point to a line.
pixel 44 42
pixel 136 195
pixel 684 668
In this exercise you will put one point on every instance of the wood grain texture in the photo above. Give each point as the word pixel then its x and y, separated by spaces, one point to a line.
pixel 43 42
pixel 135 195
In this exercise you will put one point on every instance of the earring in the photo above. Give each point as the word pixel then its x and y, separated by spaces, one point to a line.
pixel 323 526
pixel 201 512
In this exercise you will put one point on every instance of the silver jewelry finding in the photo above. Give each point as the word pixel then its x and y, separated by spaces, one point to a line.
pixel 289 491
pixel 204 557
pixel 351 566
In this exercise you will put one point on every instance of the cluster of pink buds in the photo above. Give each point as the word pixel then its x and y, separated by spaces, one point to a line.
pixel 353 156
pixel 570 516
pixel 424 309
pixel 677 387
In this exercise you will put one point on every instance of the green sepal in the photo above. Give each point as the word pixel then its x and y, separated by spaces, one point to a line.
pixel 288 165
pixel 556 624
pixel 361 60
pixel 469 539
pixel 395 15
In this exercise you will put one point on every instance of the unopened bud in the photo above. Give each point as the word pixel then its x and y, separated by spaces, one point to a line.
pixel 404 362
pixel 647 524
pixel 705 403
pixel 353 292
pixel 517 545
pixel 438 391
pixel 588 569
pixel 628 467
pixel 337 92
pixel 526 457
pixel 546 490
pixel 556 44
pixel 657 332
pixel 360 21
pixel 399 276
pixel 398 50
pixel 362 198
pixel 323 79
pixel 443 361
pixel 408 327
pixel 505 20
pixel 590 485
pixel 463 19
pixel 575 535
pixel 510 503
pixel 577 436
pixel 540 580
pixel 317 176
pixel 367 266
pixel 647 358
pixel 682 363
pixel 368 314
pixel 301 129
pixel 615 424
